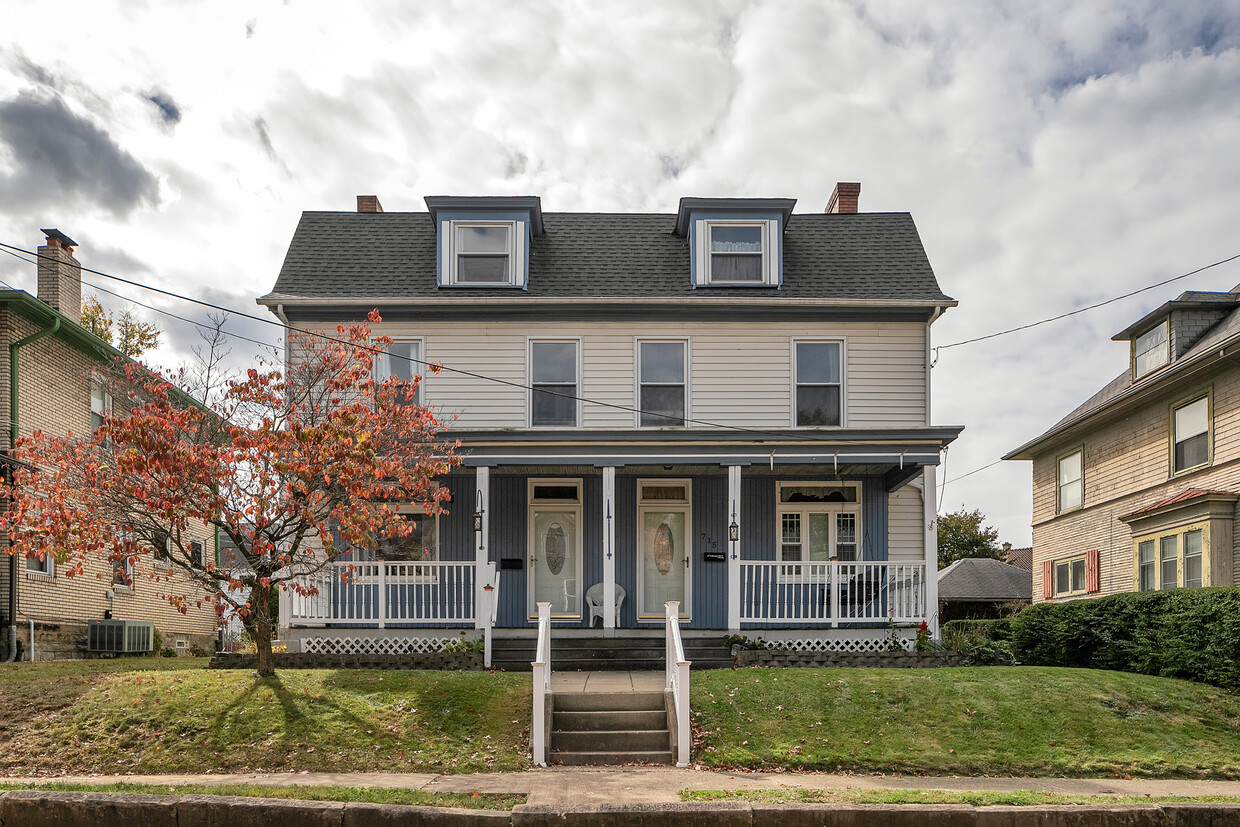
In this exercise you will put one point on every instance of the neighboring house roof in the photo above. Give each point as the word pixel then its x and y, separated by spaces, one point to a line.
pixel 983 579
pixel 1222 335
pixel 70 330
pixel 1022 558
pixel 863 257
pixel 1182 497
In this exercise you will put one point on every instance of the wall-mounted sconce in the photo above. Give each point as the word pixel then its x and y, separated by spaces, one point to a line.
pixel 734 531
pixel 478 512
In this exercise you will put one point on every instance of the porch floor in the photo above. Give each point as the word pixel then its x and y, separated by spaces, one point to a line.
pixel 607 683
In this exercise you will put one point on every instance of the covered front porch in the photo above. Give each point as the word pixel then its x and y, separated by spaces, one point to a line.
pixel 829 534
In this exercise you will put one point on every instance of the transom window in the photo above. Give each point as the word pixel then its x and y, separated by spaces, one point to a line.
pixel 1070 576
pixel 818 383
pixel 1173 559
pixel 401 360
pixel 1070 486
pixel 818 522
pixel 1191 435
pixel 1151 350
pixel 484 252
pixel 553 380
pixel 662 388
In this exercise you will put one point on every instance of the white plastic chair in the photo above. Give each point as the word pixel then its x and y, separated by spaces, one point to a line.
pixel 594 599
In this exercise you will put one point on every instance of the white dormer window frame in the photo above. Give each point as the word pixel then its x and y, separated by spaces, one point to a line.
pixel 709 274
pixel 1151 350
pixel 461 248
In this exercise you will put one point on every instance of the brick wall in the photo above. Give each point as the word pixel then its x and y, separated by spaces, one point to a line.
pixel 1127 466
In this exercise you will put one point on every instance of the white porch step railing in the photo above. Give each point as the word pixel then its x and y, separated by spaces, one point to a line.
pixel 832 593
pixel 541 666
pixel 381 593
pixel 678 681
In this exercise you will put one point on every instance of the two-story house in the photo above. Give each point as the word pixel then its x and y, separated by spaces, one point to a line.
pixel 52 380
pixel 1136 489
pixel 727 406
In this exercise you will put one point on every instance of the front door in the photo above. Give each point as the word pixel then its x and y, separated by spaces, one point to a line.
pixel 555 561
pixel 664 527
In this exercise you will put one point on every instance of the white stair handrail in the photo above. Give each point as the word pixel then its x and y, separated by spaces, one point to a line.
pixel 489 611
pixel 541 666
pixel 678 681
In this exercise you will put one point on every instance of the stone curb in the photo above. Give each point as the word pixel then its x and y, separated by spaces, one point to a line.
pixel 28 808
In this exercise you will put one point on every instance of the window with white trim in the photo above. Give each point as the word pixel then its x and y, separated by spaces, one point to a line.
pixel 122 573
pixel 400 360
pixel 100 406
pixel 1177 558
pixel 42 565
pixel 484 253
pixel 553 384
pixel 1070 576
pixel 1190 435
pixel 662 389
pixel 1151 350
pixel 736 252
pixel 1070 484
pixel 818 383
pixel 818 522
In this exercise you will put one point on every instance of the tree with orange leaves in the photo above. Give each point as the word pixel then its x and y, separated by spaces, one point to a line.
pixel 294 469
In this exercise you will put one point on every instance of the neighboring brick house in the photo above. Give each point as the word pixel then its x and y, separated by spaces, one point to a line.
pixel 55 362
pixel 1022 558
pixel 1136 489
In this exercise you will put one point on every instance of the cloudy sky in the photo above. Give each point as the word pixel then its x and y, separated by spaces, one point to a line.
pixel 1053 154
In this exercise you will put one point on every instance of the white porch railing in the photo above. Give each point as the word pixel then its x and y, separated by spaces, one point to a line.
pixel 542 685
pixel 382 593
pixel 678 681
pixel 832 593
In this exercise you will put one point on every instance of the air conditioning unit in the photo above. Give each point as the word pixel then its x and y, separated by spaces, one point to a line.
pixel 120 636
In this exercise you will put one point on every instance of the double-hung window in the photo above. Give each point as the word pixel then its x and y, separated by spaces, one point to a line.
pixel 737 253
pixel 1172 559
pixel 553 383
pixel 42 565
pixel 401 360
pixel 817 523
pixel 100 406
pixel 483 253
pixel 1151 350
pixel 122 573
pixel 818 383
pixel 662 395
pixel 1190 425
pixel 1070 576
pixel 1070 486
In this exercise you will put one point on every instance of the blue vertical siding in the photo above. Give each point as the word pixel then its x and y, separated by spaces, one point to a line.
pixel 456 523
pixel 506 539
pixel 710 533
pixel 626 548
pixel 591 538
pixel 873 519
pixel 757 518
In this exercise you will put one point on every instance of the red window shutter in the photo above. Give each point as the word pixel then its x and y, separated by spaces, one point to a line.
pixel 1047 580
pixel 1091 571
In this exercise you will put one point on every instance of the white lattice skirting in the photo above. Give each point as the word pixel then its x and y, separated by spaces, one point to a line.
pixel 840 644
pixel 374 645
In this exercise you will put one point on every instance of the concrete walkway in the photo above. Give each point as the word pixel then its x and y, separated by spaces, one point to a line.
pixel 608 683
pixel 661 785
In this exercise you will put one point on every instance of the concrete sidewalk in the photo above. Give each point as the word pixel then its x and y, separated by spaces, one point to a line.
pixel 660 785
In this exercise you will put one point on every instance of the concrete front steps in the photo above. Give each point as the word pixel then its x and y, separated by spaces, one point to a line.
pixel 592 653
pixel 609 728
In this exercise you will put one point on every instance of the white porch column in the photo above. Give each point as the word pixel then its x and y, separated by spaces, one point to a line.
pixel 929 496
pixel 482 502
pixel 734 550
pixel 609 548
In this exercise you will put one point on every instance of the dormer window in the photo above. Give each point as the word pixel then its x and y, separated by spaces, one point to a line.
pixel 1151 350
pixel 735 242
pixel 483 253
pixel 736 253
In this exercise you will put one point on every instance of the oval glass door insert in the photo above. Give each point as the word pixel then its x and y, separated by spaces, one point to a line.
pixel 555 548
pixel 664 550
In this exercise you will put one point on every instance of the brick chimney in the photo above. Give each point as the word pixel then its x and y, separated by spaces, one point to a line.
pixel 844 198
pixel 60 275
pixel 369 203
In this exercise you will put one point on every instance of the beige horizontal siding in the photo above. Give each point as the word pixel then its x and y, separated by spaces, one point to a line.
pixel 739 374
pixel 906 536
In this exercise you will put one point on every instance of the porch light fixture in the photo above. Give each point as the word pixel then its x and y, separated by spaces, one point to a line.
pixel 734 531
pixel 478 512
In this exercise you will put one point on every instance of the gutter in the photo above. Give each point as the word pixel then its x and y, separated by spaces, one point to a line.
pixel 14 349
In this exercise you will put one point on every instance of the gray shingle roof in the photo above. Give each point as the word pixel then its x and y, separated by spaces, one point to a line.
pixel 635 255
pixel 984 579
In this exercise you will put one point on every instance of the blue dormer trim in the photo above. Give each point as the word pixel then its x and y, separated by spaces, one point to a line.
pixel 523 212
pixel 773 214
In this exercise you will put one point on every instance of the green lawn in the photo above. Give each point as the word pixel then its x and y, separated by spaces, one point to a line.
pixel 971 721
pixel 155 715
pixel 1018 798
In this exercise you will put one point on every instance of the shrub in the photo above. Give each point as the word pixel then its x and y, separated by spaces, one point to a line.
pixel 168 653
pixel 1182 633
pixel 157 642
pixel 975 631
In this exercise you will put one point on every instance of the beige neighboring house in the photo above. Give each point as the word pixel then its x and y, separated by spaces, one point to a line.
pixel 54 359
pixel 1136 489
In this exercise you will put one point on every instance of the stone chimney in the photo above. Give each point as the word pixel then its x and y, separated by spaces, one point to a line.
pixel 60 275
pixel 844 198
pixel 369 203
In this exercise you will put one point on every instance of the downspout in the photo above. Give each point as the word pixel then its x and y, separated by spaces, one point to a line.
pixel 13 434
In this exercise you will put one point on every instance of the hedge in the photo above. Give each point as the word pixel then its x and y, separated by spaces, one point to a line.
pixel 1181 633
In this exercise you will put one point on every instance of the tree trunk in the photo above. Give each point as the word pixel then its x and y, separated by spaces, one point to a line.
pixel 260 628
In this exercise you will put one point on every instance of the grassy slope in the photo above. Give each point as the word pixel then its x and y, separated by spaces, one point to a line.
pixel 977 721
pixel 93 716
